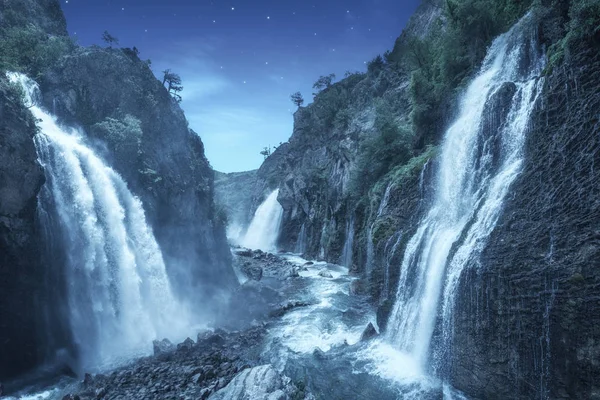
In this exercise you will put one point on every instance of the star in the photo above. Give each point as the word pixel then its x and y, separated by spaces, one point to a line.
pixel 268 17
pixel 232 8
pixel 266 63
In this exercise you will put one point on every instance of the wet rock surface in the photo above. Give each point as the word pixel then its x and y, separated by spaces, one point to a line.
pixel 255 264
pixel 194 371
pixel 529 318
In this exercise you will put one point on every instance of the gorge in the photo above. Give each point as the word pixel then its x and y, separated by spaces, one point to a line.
pixel 430 229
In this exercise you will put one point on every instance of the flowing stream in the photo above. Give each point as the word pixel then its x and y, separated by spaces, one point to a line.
pixel 119 296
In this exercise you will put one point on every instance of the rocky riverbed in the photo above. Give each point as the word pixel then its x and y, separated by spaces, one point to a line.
pixel 296 332
pixel 245 358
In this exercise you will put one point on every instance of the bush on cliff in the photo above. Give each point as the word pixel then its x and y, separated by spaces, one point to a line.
pixel 391 145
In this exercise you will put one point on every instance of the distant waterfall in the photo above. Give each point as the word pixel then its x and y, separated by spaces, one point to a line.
pixel 481 157
pixel 119 296
pixel 263 231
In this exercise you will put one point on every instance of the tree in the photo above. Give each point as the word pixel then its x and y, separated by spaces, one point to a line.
pixel 375 64
pixel 297 99
pixel 173 84
pixel 109 39
pixel 324 82
pixel 266 152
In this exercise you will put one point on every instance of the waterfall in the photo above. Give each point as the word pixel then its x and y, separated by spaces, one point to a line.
pixel 346 259
pixel 481 156
pixel 119 297
pixel 263 231
pixel 388 256
pixel 301 242
pixel 370 245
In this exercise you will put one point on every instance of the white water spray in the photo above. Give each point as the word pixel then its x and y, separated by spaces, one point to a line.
pixel 481 157
pixel 263 231
pixel 119 295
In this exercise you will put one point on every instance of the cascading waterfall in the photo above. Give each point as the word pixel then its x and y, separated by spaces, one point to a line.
pixel 346 259
pixel 263 231
pixel 370 245
pixel 301 242
pixel 119 296
pixel 481 156
pixel 388 256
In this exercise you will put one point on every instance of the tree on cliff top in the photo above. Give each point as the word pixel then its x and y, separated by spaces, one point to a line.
pixel 297 99
pixel 173 82
pixel 109 39
pixel 324 82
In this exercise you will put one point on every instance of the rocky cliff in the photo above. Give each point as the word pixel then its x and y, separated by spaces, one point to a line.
pixel 527 310
pixel 529 320
pixel 133 122
pixel 21 178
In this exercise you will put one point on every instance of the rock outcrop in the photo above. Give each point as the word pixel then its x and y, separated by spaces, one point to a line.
pixel 529 318
pixel 139 129
pixel 21 271
pixel 147 137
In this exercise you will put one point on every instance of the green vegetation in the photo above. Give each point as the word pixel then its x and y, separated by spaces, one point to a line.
pixel 448 55
pixel 579 25
pixel 391 145
pixel 297 99
pixel 30 50
pixel 173 84
pixel 109 39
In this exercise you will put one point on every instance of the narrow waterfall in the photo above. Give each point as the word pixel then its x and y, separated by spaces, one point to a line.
pixel 119 296
pixel 263 231
pixel 481 156
pixel 346 259
pixel 370 245
pixel 301 242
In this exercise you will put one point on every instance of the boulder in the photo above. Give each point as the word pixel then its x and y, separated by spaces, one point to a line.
pixel 253 272
pixel 369 333
pixel 186 345
pixel 325 274
pixel 258 383
pixel 162 346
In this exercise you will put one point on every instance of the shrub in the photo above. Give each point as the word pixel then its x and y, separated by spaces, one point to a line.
pixel 30 50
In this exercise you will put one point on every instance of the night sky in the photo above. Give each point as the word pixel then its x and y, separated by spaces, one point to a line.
pixel 241 59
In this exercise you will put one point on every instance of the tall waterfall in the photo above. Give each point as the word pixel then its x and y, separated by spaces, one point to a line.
pixel 263 231
pixel 119 296
pixel 481 156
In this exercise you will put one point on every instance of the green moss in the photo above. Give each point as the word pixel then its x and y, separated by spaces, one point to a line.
pixel 576 278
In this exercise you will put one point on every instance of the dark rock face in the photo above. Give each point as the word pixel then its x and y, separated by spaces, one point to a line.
pixel 21 178
pixel 146 137
pixel 135 125
pixel 528 319
pixel 369 333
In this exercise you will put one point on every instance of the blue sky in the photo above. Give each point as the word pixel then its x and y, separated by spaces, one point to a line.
pixel 241 60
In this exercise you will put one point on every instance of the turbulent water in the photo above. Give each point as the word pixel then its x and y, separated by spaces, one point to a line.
pixel 119 297
pixel 263 231
pixel 481 156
